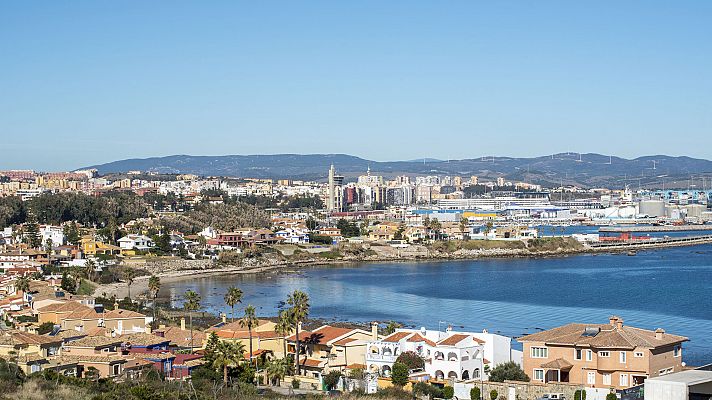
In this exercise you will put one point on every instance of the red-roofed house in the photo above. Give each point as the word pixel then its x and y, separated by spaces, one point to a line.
pixel 448 355
pixel 330 348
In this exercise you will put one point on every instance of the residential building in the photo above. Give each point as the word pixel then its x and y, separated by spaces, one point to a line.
pixel 137 242
pixel 330 348
pixel 448 355
pixel 601 355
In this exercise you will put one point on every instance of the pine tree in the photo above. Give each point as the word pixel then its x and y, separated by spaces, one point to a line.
pixel 31 232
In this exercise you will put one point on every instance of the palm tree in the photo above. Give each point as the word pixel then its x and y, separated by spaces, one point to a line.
pixel 154 285
pixel 191 303
pixel 129 275
pixel 284 326
pixel 77 276
pixel 227 354
pixel 89 267
pixel 277 369
pixel 464 222
pixel 232 297
pixel 300 310
pixel 249 321
pixel 23 284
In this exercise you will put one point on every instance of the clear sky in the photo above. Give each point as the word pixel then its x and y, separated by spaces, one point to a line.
pixel 84 82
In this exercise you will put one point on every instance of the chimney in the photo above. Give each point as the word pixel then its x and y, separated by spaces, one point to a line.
pixel 659 333
pixel 182 323
pixel 449 328
pixel 162 326
pixel 423 331
pixel 613 320
pixel 148 329
pixel 224 318
pixel 374 331
pixel 619 323
pixel 299 326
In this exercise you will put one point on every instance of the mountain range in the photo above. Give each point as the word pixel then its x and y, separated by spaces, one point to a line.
pixel 588 170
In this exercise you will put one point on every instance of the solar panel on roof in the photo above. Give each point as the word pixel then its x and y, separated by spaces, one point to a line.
pixel 55 330
pixel 591 331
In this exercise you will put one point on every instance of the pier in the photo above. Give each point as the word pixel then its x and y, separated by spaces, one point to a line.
pixel 660 228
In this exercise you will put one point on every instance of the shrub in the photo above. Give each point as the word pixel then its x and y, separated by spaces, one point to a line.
pixel 46 327
pixel 509 371
pixel 295 383
pixel 331 380
pixel 411 359
pixel 448 392
pixel 399 374
pixel 426 389
pixel 493 394
pixel 475 393
pixel 580 395
pixel 611 396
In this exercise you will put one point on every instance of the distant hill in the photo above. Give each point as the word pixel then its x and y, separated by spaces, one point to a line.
pixel 591 170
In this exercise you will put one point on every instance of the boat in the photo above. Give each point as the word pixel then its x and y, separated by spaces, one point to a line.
pixel 632 252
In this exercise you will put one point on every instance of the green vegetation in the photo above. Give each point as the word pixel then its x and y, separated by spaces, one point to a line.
pixel 348 229
pixel 509 371
pixel 580 395
pixel 611 396
pixel 493 394
pixel 331 380
pixel 399 374
pixel 448 392
pixel 426 389
pixel 331 254
pixel 554 244
pixel 411 359
pixel 475 393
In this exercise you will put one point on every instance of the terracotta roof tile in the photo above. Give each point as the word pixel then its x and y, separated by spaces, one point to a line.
pixel 453 340
pixel 608 336
pixel 396 337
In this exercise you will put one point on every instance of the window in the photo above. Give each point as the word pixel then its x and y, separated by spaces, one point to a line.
pixel 604 353
pixel 591 379
pixel 578 354
pixel 116 369
pixel 677 352
pixel 638 354
pixel 539 352
pixel 589 355
pixel 606 379
pixel 665 371
pixel 539 375
pixel 622 357
pixel 624 380
pixel 35 368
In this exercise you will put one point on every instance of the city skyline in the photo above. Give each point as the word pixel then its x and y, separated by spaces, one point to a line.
pixel 396 81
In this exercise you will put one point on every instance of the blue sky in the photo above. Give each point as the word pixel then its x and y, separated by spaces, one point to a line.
pixel 85 82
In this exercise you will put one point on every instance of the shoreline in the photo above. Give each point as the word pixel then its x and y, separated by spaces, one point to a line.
pixel 140 284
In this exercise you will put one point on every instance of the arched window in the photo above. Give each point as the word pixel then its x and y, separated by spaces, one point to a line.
pixel 387 351
pixel 452 356
pixel 373 368
pixel 374 350
pixel 476 373
pixel 386 371
pixel 439 374
pixel 452 375
pixel 439 355
pixel 465 374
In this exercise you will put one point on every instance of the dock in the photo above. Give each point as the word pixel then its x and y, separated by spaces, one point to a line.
pixel 653 242
pixel 660 228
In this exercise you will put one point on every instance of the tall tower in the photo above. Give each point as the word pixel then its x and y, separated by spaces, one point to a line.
pixel 330 193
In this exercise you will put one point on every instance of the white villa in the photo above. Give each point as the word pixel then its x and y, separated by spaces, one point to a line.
pixel 448 355
pixel 139 242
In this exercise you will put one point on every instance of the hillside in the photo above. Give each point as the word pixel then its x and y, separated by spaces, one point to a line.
pixel 590 170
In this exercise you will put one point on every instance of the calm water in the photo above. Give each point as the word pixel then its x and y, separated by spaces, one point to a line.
pixel 668 288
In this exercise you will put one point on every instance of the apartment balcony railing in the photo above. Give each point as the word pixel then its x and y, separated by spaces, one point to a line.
pixel 380 357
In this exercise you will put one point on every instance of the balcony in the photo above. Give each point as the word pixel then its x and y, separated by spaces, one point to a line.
pixel 381 357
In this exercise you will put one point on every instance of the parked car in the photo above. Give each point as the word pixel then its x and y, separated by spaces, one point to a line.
pixel 552 396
